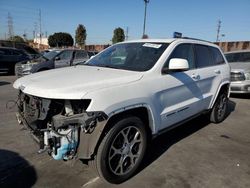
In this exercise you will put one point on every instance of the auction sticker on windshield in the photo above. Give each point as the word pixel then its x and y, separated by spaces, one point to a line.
pixel 151 45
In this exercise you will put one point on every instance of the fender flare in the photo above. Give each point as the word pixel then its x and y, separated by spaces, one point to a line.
pixel 218 91
pixel 89 142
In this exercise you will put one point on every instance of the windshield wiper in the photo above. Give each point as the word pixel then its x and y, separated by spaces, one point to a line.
pixel 107 66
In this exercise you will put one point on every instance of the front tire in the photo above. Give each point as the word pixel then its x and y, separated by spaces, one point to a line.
pixel 219 110
pixel 121 151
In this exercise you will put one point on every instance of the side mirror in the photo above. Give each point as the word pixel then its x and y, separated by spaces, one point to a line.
pixel 176 65
pixel 57 58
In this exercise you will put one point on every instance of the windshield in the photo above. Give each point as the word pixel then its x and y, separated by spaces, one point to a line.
pixel 52 54
pixel 238 57
pixel 130 56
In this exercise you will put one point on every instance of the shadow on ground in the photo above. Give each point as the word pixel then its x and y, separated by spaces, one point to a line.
pixel 15 171
pixel 162 143
pixel 2 83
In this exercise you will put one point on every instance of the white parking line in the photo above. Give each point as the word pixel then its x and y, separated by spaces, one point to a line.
pixel 91 181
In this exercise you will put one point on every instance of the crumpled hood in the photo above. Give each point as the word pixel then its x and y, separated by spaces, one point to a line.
pixel 73 82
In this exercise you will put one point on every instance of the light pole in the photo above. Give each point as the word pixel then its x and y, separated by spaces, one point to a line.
pixel 145 14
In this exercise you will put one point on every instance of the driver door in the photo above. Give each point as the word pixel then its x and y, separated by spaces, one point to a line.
pixel 180 95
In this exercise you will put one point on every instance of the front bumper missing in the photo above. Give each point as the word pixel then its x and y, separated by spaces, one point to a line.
pixel 85 128
pixel 37 135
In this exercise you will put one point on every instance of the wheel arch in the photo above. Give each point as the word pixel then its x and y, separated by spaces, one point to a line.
pixel 89 143
pixel 141 111
pixel 225 86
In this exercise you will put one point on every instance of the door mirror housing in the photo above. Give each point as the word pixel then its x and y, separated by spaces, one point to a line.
pixel 178 64
pixel 57 58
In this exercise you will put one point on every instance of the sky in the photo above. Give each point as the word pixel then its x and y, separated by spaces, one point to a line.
pixel 193 18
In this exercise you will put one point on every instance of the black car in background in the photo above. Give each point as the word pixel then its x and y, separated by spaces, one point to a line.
pixel 9 57
pixel 21 46
pixel 54 59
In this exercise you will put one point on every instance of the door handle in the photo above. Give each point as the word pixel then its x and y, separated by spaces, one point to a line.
pixel 217 71
pixel 195 76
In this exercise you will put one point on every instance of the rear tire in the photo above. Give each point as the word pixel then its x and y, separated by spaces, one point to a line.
pixel 121 150
pixel 219 110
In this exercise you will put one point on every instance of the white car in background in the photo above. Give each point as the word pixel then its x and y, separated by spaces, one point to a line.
pixel 240 70
pixel 108 109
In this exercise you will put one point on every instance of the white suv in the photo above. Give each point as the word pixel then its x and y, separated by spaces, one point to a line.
pixel 106 110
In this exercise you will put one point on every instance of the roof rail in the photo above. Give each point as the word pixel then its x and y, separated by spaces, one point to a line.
pixel 196 39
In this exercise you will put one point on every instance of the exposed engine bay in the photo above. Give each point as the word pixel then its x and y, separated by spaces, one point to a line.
pixel 57 125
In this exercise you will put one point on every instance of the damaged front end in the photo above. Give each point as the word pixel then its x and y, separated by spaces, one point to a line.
pixel 61 127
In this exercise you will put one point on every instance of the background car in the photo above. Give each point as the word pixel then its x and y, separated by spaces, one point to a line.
pixel 240 71
pixel 21 46
pixel 51 60
pixel 92 53
pixel 9 57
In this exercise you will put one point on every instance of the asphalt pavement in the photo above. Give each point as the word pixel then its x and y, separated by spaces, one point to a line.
pixel 196 154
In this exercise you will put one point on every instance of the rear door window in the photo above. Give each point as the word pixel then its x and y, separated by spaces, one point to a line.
pixel 203 56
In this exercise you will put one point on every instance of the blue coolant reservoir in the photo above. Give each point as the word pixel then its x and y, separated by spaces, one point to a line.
pixel 68 144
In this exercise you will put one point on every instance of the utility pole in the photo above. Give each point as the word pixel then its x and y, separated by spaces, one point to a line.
pixel 35 30
pixel 10 26
pixel 25 35
pixel 218 31
pixel 145 14
pixel 126 37
pixel 40 27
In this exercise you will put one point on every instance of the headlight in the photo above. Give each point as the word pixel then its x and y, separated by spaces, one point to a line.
pixel 28 65
pixel 247 75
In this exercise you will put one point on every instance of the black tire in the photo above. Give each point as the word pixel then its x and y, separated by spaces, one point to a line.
pixel 219 110
pixel 110 163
